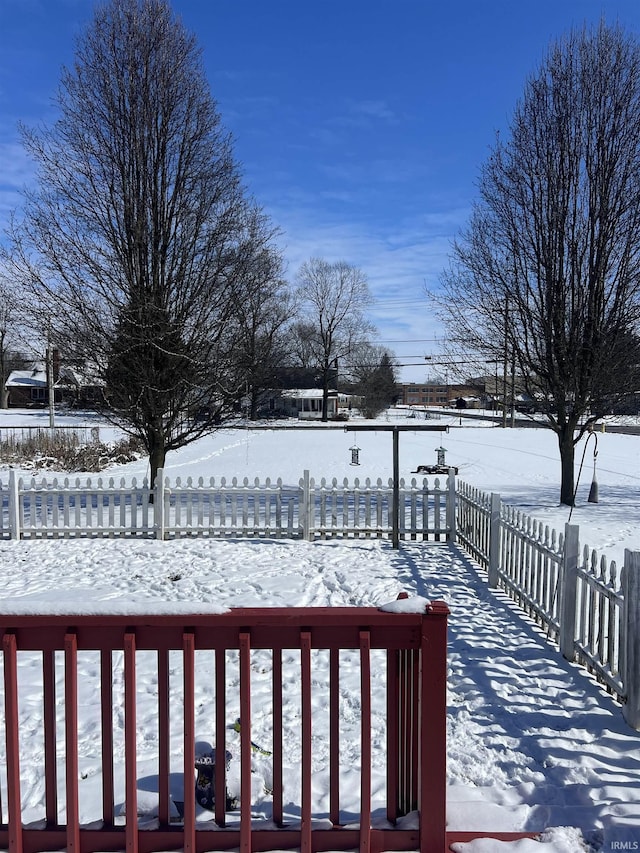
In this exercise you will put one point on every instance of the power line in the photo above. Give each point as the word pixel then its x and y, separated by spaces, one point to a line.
pixel 409 340
pixel 392 304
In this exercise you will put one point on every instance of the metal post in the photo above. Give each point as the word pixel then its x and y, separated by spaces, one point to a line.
pixel 504 364
pixel 395 539
pixel 51 388
pixel 513 386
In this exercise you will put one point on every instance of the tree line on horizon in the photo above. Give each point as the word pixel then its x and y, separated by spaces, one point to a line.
pixel 144 257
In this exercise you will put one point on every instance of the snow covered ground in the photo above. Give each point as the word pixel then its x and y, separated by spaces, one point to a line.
pixel 534 744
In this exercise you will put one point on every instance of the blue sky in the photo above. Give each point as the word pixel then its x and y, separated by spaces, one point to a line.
pixel 360 125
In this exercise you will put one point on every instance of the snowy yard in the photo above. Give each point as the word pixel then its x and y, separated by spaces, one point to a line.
pixel 533 743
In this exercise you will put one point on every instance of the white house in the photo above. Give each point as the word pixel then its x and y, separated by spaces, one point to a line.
pixel 306 403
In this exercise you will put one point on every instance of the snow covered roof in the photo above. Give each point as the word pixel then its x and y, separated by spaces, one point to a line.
pixel 35 378
pixel 305 393
pixel 72 376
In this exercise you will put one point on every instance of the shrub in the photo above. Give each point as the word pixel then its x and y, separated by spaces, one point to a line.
pixel 65 450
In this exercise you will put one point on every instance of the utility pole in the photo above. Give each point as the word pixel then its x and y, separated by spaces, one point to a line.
pixel 50 387
pixel 513 386
pixel 504 363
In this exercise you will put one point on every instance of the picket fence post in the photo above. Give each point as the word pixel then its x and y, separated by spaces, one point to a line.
pixel 568 580
pixel 159 521
pixel 495 530
pixel 451 508
pixel 631 637
pixel 14 505
pixel 305 505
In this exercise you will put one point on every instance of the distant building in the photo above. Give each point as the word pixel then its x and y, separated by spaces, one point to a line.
pixel 29 388
pixel 306 403
pixel 436 394
pixel 79 388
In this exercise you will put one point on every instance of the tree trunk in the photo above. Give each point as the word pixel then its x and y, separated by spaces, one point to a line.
pixel 253 405
pixel 567 454
pixel 4 375
pixel 157 455
pixel 325 395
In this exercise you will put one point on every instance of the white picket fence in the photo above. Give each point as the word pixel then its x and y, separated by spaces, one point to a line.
pixel 38 508
pixel 584 603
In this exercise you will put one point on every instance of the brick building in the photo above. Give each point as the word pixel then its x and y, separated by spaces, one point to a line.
pixel 435 394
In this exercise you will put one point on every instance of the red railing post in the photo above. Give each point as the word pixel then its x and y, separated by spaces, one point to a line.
pixel 277 737
pixel 245 742
pixel 49 726
pixel 106 718
pixel 189 742
pixel 130 760
pixel 305 685
pixel 220 745
pixel 433 730
pixel 9 647
pixel 163 737
pixel 71 741
pixel 393 735
pixel 334 736
pixel 365 742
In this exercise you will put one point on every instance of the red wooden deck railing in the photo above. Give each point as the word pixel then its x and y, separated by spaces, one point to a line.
pixel 413 644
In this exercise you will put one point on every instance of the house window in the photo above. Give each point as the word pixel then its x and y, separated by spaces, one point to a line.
pixel 38 394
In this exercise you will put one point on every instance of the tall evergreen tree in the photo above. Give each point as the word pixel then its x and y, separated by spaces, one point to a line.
pixel 375 380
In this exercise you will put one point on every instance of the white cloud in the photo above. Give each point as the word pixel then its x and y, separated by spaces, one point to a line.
pixel 399 266
pixel 374 110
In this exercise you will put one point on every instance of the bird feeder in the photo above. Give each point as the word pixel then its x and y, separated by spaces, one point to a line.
pixel 440 451
pixel 593 491
pixel 355 455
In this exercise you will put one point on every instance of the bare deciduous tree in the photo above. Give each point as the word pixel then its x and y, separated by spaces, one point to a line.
pixel 333 299
pixel 263 308
pixel 139 229
pixel 547 273
pixel 13 335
